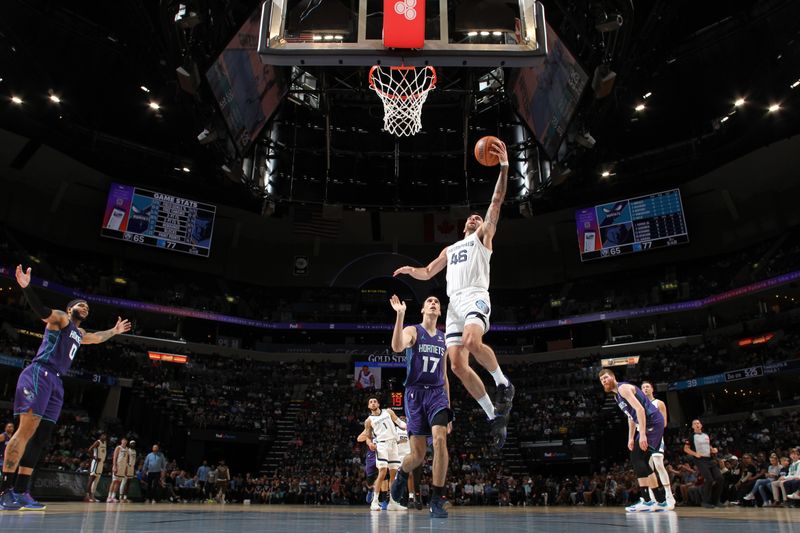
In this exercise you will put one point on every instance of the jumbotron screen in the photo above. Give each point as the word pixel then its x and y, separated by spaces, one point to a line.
pixel 157 219
pixel 632 225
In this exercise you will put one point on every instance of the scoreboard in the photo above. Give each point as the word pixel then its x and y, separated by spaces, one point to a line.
pixel 632 225
pixel 156 219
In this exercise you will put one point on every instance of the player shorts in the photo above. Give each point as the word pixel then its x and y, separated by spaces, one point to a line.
pixel 403 449
pixel 129 472
pixel 422 405
pixel 468 306
pixel 387 456
pixel 655 445
pixel 96 468
pixel 119 473
pixel 39 390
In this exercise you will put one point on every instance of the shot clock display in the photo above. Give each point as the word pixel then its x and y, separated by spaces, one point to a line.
pixel 632 225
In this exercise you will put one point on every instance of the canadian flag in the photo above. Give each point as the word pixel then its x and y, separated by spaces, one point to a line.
pixel 441 227
pixel 403 23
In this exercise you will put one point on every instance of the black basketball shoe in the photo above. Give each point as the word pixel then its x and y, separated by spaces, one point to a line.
pixel 503 399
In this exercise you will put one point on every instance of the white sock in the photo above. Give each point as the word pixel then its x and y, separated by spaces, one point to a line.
pixel 487 405
pixel 499 377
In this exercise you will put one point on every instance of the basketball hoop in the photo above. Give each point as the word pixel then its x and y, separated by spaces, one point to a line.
pixel 403 90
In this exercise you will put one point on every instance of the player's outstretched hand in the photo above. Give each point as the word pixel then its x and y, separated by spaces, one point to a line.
pixel 403 270
pixel 23 276
pixel 499 149
pixel 122 326
pixel 397 304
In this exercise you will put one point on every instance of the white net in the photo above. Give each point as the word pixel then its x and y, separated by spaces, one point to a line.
pixel 403 91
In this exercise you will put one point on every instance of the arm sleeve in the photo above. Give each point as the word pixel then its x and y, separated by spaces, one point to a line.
pixel 41 310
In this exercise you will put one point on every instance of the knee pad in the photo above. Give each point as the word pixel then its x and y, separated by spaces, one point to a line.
pixel 37 444
pixel 641 463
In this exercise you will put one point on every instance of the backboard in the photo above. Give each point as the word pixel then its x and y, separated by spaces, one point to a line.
pixel 468 33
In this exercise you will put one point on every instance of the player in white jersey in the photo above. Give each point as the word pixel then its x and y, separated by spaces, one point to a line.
pixel 658 456
pixel 381 426
pixel 119 466
pixel 98 451
pixel 467 263
pixel 365 379
pixel 130 472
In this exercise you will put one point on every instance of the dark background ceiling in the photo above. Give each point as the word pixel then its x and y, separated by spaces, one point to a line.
pixel 695 58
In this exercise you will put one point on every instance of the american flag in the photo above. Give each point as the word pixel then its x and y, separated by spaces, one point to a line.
pixel 311 221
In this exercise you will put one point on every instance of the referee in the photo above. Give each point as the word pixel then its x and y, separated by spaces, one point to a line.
pixel 699 447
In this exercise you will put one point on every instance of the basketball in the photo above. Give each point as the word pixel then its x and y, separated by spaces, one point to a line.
pixel 482 153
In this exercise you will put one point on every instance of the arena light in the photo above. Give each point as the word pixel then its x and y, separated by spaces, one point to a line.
pixel 647 95
pixel 186 169
pixel 17 100
pixel 143 88
pixel 774 108
pixel 154 105
pixel 605 173
pixel 724 119
pixel 739 102
pixel 55 99
pixel 792 86
pixel 639 108
pixel 484 33
pixel 472 34
pixel 497 33
pixel 338 37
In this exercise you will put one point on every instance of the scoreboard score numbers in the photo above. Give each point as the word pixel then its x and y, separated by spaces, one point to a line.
pixel 156 219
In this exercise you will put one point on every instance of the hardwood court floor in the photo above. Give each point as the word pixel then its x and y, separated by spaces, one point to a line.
pixel 236 518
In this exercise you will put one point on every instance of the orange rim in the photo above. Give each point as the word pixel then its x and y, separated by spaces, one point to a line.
pixel 400 97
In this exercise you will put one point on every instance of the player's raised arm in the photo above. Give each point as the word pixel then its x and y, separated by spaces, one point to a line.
pixel 53 317
pixel 402 338
pixel 489 226
pixel 122 326
pixel 425 273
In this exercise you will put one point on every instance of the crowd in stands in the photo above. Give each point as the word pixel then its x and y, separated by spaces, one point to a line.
pixel 107 275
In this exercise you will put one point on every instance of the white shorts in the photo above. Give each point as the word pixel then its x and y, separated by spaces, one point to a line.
pixel 403 449
pixel 96 468
pixel 469 306
pixel 386 455
pixel 119 472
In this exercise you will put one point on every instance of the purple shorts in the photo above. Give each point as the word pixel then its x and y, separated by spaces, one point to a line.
pixel 39 390
pixel 655 438
pixel 422 404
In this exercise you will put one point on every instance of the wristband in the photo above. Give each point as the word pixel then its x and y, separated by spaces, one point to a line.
pixel 504 164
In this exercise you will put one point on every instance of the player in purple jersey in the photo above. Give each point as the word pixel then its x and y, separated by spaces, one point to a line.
pixel 40 393
pixel 4 438
pixel 646 422
pixel 370 464
pixel 427 398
